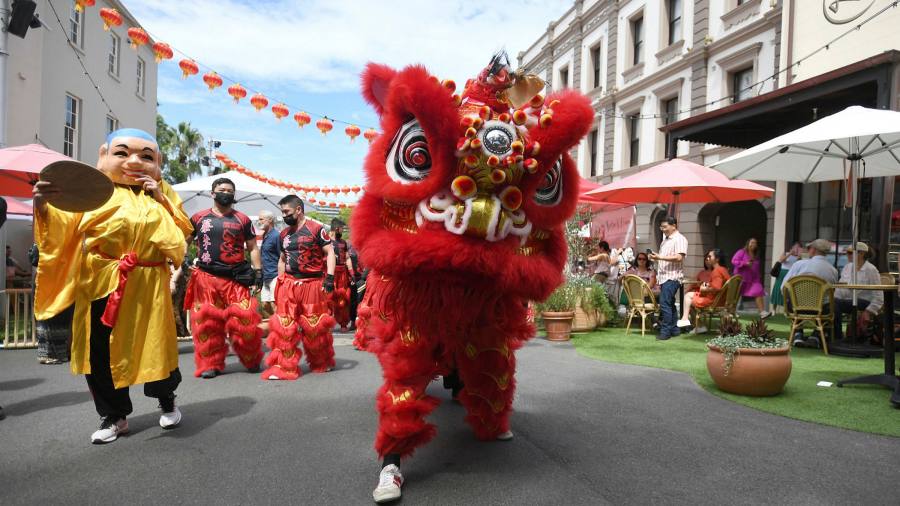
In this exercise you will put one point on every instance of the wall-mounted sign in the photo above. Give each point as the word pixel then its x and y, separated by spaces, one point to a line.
pixel 839 12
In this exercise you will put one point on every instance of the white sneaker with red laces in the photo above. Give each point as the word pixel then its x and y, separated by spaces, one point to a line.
pixel 389 482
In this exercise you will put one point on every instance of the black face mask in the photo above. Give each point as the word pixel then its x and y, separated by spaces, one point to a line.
pixel 223 198
pixel 290 220
pixel 338 235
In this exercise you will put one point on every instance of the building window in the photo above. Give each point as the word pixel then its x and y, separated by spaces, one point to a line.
pixel 564 77
pixel 115 44
pixel 141 71
pixel 674 12
pixel 595 140
pixel 595 63
pixel 70 130
pixel 742 84
pixel 76 26
pixel 637 40
pixel 112 124
pixel 670 115
pixel 634 140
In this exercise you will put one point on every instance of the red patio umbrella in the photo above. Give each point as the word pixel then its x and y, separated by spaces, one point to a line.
pixel 14 206
pixel 597 204
pixel 21 165
pixel 677 181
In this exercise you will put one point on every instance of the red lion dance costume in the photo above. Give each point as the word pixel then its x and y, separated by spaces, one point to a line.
pixel 462 224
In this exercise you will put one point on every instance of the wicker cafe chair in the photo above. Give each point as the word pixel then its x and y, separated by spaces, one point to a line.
pixel 637 291
pixel 725 303
pixel 806 297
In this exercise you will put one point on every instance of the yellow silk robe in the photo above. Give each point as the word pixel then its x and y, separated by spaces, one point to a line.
pixel 143 346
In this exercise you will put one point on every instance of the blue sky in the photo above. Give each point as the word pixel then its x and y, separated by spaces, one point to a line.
pixel 308 54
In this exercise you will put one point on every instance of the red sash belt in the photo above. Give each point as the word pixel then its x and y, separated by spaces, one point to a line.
pixel 126 264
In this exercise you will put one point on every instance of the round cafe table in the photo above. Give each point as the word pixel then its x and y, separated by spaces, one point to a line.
pixel 889 378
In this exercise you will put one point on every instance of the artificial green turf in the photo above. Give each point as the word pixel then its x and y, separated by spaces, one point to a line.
pixel 863 408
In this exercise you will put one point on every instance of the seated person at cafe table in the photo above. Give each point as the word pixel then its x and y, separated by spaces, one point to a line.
pixel 868 302
pixel 706 293
pixel 642 268
pixel 816 265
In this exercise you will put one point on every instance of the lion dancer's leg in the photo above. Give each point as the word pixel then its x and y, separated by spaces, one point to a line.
pixel 371 318
pixel 316 325
pixel 208 316
pixel 341 297
pixel 487 365
pixel 409 364
pixel 246 336
pixel 284 334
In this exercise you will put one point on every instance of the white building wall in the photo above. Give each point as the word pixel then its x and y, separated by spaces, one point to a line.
pixel 43 67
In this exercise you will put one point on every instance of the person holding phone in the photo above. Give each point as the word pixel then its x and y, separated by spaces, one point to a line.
pixel 669 274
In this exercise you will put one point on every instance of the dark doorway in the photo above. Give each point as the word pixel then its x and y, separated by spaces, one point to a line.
pixel 737 222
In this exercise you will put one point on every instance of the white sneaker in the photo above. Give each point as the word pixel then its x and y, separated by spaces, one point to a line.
pixel 683 323
pixel 764 315
pixel 273 377
pixel 506 436
pixel 110 430
pixel 389 482
pixel 171 419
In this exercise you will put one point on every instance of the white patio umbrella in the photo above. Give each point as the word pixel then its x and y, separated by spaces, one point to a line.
pixel 855 143
pixel 251 195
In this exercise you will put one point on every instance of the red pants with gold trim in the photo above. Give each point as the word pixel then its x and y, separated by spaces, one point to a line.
pixel 220 307
pixel 484 359
pixel 340 298
pixel 301 315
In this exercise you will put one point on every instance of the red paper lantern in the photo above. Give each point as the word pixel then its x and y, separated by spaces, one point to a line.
pixel 312 201
pixel 237 92
pixel 315 189
pixel 137 36
pixel 370 135
pixel 231 164
pixel 259 102
pixel 332 204
pixel 280 111
pixel 302 119
pixel 356 189
pixel 221 157
pixel 212 80
pixel 353 132
pixel 81 4
pixel 162 51
pixel 188 68
pixel 342 205
pixel 324 125
pixel 111 17
pixel 345 190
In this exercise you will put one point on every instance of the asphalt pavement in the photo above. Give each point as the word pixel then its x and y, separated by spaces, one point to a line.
pixel 587 432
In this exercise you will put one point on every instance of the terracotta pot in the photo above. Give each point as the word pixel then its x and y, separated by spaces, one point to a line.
pixel 558 324
pixel 584 321
pixel 755 372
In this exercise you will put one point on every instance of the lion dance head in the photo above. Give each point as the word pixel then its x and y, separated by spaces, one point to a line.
pixel 470 186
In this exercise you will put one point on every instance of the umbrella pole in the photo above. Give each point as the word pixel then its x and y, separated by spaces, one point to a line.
pixel 854 177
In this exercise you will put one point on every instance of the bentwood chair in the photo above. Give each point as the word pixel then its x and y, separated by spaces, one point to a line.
pixel 641 300
pixel 724 304
pixel 805 298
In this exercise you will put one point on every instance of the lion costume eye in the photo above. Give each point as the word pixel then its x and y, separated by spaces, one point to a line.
pixel 549 193
pixel 409 160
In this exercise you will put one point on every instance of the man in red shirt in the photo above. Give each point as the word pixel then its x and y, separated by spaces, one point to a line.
pixel 218 294
pixel 343 270
pixel 301 297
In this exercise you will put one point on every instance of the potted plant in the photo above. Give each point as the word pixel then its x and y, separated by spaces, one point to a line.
pixel 749 361
pixel 558 311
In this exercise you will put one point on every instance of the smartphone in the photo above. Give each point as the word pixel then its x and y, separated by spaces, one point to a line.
pixel 649 251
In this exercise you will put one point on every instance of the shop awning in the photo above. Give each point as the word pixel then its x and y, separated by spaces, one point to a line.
pixel 758 119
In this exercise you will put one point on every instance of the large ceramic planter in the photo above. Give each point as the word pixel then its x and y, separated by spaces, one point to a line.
pixel 755 372
pixel 584 321
pixel 558 324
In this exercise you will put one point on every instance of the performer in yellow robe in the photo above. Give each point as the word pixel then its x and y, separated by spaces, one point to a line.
pixel 112 263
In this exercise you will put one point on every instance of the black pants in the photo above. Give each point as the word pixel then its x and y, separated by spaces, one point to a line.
pixel 842 307
pixel 109 400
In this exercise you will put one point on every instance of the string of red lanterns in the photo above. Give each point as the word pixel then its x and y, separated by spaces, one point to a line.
pixel 306 190
pixel 162 51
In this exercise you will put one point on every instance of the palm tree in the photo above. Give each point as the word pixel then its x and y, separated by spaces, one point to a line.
pixel 189 147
